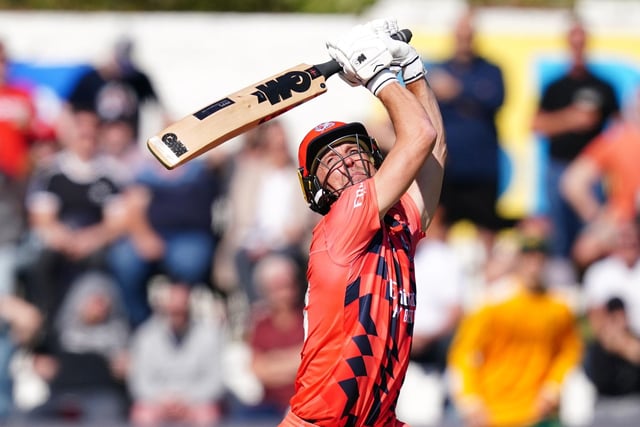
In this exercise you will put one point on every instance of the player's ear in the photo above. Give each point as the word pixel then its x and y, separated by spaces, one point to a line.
pixel 316 197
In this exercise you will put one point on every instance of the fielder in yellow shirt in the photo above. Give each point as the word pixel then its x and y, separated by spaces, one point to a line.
pixel 509 357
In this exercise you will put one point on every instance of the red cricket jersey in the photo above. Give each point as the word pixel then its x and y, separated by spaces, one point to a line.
pixel 359 312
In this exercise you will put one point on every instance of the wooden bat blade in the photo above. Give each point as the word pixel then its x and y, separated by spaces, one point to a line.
pixel 235 114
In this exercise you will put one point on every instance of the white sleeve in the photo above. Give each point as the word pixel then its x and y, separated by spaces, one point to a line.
pixel 597 285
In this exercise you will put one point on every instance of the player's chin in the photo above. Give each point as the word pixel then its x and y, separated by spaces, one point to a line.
pixel 354 180
pixel 358 178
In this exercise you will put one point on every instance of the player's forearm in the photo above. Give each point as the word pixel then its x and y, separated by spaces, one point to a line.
pixel 411 123
pixel 420 88
pixel 431 174
pixel 415 138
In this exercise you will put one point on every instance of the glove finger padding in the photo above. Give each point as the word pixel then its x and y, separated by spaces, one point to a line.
pixel 405 57
pixel 403 53
pixel 386 26
pixel 362 55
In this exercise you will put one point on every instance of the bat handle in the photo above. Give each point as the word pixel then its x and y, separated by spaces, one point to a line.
pixel 331 67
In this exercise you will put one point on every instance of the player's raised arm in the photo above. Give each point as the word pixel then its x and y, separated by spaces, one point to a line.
pixel 428 184
pixel 369 62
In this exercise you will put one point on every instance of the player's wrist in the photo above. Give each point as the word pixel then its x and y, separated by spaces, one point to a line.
pixel 381 80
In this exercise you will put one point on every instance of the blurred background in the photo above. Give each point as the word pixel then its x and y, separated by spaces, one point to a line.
pixel 134 295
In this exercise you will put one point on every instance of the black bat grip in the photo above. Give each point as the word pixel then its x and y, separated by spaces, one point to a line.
pixel 403 35
pixel 329 68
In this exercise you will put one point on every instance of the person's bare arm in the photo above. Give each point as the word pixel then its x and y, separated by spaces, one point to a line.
pixel 24 318
pixel 428 185
pixel 42 209
pixel 576 187
pixel 415 140
pixel 568 119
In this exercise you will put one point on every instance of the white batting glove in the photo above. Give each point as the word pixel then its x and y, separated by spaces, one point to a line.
pixel 364 58
pixel 405 56
pixel 386 26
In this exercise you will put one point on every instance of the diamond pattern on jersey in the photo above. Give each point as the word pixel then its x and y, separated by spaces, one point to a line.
pixel 357 366
pixel 350 388
pixel 362 341
pixel 362 365
pixel 364 382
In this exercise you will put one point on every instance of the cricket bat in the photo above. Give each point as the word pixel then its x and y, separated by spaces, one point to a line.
pixel 245 109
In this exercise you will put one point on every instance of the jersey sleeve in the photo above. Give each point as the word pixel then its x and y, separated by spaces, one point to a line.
pixel 597 286
pixel 413 217
pixel 352 221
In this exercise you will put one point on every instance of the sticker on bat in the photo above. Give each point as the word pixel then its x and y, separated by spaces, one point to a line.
pixel 175 145
pixel 280 88
pixel 212 108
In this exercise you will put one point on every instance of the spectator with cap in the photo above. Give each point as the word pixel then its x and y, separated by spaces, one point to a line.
pixel 507 369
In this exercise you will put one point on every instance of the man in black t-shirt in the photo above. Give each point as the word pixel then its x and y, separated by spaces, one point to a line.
pixel 572 111
pixel 67 202
pixel 117 89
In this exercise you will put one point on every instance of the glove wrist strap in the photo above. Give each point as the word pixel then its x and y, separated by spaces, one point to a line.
pixel 380 80
pixel 413 71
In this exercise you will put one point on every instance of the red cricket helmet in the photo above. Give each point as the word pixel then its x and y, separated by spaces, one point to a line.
pixel 313 147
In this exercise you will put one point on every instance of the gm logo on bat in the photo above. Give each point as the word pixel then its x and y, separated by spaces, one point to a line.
pixel 281 87
pixel 274 90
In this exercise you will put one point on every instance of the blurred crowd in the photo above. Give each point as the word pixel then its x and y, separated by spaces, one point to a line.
pixel 140 295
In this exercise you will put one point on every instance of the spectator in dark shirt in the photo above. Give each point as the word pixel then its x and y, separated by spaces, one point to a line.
pixel 573 109
pixel 68 209
pixel 116 88
pixel 470 92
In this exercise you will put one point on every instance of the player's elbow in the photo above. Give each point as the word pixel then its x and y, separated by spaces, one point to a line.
pixel 425 137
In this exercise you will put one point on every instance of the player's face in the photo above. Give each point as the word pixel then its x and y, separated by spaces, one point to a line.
pixel 342 166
